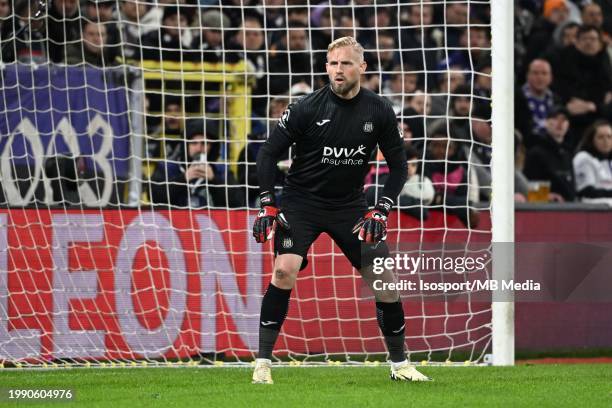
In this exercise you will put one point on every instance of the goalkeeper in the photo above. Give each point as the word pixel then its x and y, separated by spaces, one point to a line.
pixel 334 129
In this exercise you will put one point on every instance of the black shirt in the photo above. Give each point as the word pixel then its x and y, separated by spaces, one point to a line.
pixel 552 161
pixel 334 139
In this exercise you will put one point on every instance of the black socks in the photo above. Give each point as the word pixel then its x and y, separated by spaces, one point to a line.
pixel 274 307
pixel 390 318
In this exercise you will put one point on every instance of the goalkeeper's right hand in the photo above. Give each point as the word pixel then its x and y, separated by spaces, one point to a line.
pixel 267 218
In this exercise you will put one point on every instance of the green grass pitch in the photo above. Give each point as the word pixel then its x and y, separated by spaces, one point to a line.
pixel 537 385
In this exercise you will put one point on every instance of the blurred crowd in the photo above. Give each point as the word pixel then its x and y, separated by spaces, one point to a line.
pixel 432 60
pixel 563 99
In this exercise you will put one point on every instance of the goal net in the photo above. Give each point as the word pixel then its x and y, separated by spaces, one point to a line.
pixel 129 132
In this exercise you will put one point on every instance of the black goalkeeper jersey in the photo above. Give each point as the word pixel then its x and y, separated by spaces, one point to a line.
pixel 334 139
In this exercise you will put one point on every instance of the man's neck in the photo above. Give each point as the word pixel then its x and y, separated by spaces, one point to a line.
pixel 536 92
pixel 349 95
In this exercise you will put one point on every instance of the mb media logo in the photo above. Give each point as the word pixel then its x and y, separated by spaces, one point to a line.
pixel 337 156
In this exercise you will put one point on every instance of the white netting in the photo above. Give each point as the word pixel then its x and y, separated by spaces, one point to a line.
pixel 128 137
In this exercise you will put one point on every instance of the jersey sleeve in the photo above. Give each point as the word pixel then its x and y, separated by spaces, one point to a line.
pixel 286 132
pixel 391 144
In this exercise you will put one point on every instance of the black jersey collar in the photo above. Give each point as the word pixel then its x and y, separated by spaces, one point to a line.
pixel 343 101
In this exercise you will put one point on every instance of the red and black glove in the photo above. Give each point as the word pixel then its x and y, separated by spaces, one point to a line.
pixel 372 227
pixel 267 218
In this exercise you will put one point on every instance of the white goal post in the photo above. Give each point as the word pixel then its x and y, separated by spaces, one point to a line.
pixel 502 168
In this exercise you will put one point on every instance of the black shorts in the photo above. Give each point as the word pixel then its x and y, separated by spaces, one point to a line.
pixel 307 222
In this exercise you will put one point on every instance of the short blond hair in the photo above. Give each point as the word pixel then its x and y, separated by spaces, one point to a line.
pixel 346 42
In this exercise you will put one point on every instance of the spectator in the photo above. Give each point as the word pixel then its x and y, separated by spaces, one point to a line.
pixel 461 107
pixel 173 41
pixel 474 51
pixel 421 41
pixel 523 22
pixel 5 9
pixel 274 18
pixel 6 29
pixel 521 184
pixel 214 47
pixel 403 126
pixel 376 21
pixel 370 80
pixel 320 37
pixel 555 13
pixel 551 160
pixel 298 90
pixel 418 192
pixel 99 10
pixel 298 14
pixel 362 11
pixel 321 34
pixel 584 79
pixel 197 180
pixel 247 167
pixel 211 41
pixel 470 129
pixel 401 85
pixel 93 48
pixel 250 42
pixel 564 36
pixel 384 57
pixel 103 11
pixel 414 116
pixel 345 26
pixel 5 16
pixel 152 19
pixel 290 60
pixel 456 17
pixel 447 84
pixel 593 16
pixel 482 84
pixel 166 139
pixel 606 8
pixel 240 12
pixel 30 44
pixel 446 167
pixel 63 27
pixel 479 151
pixel 593 164
pixel 131 28
pixel 533 101
pixel 568 34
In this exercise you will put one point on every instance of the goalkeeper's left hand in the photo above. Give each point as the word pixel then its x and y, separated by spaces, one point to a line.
pixel 372 227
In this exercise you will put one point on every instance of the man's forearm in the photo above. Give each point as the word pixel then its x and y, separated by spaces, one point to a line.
pixel 266 168
pixel 397 178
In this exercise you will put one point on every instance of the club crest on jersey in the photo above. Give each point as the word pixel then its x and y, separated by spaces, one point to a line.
pixel 368 127
pixel 287 243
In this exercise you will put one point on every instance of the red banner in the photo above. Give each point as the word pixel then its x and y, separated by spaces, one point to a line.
pixel 142 284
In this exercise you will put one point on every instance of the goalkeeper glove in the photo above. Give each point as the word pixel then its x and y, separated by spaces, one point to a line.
pixel 268 216
pixel 372 227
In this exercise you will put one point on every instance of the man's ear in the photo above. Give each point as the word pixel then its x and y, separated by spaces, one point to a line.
pixel 362 67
